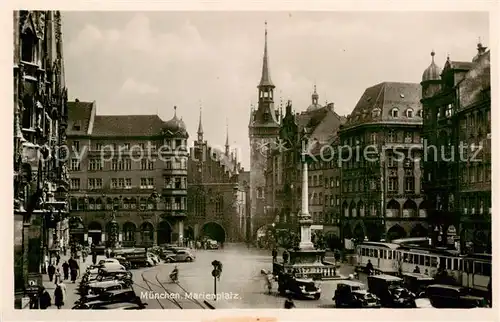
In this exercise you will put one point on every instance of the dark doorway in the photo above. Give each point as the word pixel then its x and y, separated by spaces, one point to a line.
pixel 164 233
pixel 396 232
pixel 214 231
pixel 95 233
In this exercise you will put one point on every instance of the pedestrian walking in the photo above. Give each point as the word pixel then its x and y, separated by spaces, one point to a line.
pixel 51 270
pixel 73 266
pixel 275 254
pixel 45 300
pixel 58 259
pixel 94 257
pixel 65 267
pixel 58 297
pixel 285 256
pixel 57 276
pixel 84 255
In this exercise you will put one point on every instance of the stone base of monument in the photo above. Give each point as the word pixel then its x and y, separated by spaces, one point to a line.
pixel 308 263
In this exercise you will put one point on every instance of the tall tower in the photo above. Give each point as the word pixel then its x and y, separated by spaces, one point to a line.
pixel 263 129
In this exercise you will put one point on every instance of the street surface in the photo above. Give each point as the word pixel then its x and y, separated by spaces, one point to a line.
pixel 241 284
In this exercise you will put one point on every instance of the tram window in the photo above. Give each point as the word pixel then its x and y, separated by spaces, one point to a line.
pixel 477 268
pixel 421 259
pixel 442 262
pixel 375 253
pixel 410 260
pixel 455 264
pixel 384 253
pixel 486 269
pixel 460 263
pixel 427 261
pixel 448 263
pixel 405 257
pixel 363 252
pixel 434 262
pixel 389 253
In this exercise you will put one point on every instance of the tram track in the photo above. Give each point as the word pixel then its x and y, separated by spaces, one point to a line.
pixel 172 296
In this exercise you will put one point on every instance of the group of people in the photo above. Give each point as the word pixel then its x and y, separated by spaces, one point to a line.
pixel 43 300
pixel 285 255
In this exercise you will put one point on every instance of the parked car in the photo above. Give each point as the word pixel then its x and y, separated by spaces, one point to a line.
pixel 452 297
pixel 114 296
pixel 115 273
pixel 304 288
pixel 212 244
pixel 353 294
pixel 417 283
pixel 123 261
pixel 104 305
pixel 182 255
pixel 389 289
pixel 104 286
pixel 153 258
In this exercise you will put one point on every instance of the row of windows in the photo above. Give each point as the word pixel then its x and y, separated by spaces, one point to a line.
pixel 391 136
pixel 141 203
pixel 116 183
pixel 330 200
pixel 125 164
pixel 317 180
pixel 476 173
pixel 113 147
pixel 361 185
pixel 171 182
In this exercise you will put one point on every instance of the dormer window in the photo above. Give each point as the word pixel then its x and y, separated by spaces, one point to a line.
pixel 394 112
pixel 409 113
pixel 376 112
pixel 420 113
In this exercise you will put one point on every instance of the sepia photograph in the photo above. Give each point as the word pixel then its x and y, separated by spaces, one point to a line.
pixel 251 160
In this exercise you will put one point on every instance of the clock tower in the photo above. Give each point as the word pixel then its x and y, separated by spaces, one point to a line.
pixel 263 130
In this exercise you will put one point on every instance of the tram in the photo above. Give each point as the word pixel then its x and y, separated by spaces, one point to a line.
pixel 471 271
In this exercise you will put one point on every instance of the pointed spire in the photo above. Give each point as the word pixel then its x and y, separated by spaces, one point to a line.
pixel 200 126
pixel 265 79
pixel 315 95
pixel 227 138
pixel 175 111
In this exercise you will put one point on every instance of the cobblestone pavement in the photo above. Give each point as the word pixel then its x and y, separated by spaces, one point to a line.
pixel 241 284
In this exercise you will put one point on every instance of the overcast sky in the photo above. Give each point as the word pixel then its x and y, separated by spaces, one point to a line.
pixel 145 63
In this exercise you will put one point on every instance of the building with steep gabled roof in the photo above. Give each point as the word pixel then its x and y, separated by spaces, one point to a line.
pixel 131 168
pixel 380 144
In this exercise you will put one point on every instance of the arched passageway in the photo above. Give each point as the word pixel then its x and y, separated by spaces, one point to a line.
pixel 359 233
pixel 189 233
pixel 128 234
pixel 419 231
pixel 164 233
pixel 410 209
pixel 95 233
pixel 392 209
pixel 396 232
pixel 214 231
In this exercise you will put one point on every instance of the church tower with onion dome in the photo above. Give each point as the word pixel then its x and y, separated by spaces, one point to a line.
pixel 263 129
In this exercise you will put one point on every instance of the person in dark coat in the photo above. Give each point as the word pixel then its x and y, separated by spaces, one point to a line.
pixel 285 256
pixel 275 254
pixel 65 267
pixel 44 299
pixel 73 267
pixel 58 259
pixel 58 296
pixel 51 270
pixel 94 257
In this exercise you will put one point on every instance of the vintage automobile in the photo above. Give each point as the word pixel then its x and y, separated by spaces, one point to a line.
pixel 389 289
pixel 123 261
pixel 212 244
pixel 104 286
pixel 352 294
pixel 303 288
pixel 417 283
pixel 182 255
pixel 105 305
pixel 452 297
pixel 114 296
pixel 154 259
pixel 115 273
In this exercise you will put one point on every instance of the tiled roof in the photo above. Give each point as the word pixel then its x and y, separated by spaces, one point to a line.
pixel 79 115
pixel 377 102
pixel 476 80
pixel 127 125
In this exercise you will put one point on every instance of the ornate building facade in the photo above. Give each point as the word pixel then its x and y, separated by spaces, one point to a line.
pixel 40 119
pixel 217 199
pixel 381 147
pixel 263 130
pixel 457 179
pixel 129 170
pixel 283 175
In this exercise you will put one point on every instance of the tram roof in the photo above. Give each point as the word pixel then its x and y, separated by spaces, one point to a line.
pixel 381 244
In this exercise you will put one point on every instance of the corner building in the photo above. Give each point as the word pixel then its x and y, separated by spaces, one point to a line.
pixel 457 180
pixel 382 196
pixel 129 167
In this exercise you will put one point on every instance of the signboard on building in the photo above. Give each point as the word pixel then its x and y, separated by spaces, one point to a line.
pixel 34 283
